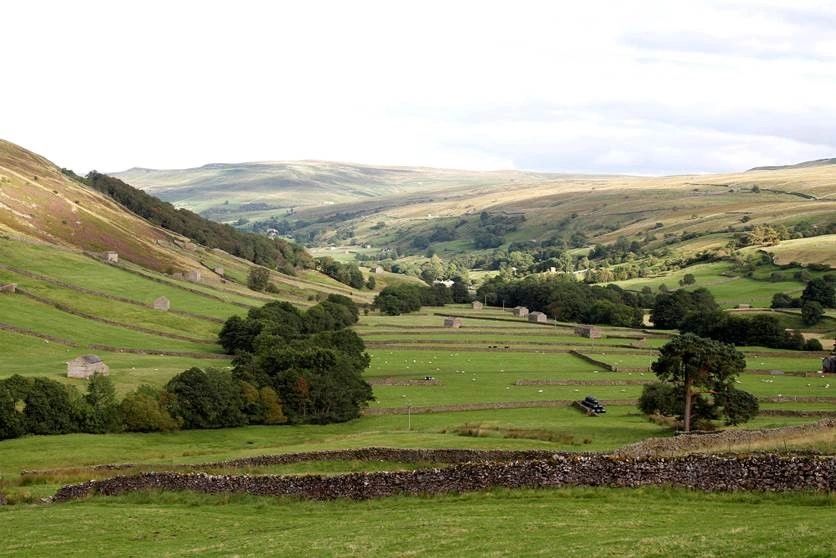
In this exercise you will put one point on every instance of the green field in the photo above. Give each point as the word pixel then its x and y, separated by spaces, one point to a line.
pixel 729 291
pixel 403 348
pixel 576 522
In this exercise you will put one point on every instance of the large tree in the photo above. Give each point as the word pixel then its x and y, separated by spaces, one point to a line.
pixel 694 363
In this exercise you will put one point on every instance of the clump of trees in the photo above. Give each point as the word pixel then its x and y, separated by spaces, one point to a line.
pixel 697 383
pixel 44 406
pixel 818 295
pixel 670 309
pixel 761 329
pixel 402 299
pixel 566 299
pixel 309 362
pixel 274 253
pixel 346 273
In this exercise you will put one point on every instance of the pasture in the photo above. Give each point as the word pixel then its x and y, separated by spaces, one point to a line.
pixel 571 522
pixel 498 382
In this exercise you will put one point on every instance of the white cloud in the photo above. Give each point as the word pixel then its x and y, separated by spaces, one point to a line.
pixel 598 86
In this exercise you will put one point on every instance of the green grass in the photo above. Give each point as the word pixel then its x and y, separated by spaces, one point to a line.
pixel 79 270
pixel 728 291
pixel 147 317
pixel 20 311
pixel 29 356
pixel 570 522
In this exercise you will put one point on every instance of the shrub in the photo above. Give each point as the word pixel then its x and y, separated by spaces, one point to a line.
pixel 258 278
pixel 811 312
pixel 813 345
pixel 143 411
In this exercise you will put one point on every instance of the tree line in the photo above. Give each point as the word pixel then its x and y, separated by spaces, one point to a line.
pixel 566 299
pixel 698 313
pixel 274 253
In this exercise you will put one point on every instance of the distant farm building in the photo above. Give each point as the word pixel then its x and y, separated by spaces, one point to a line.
pixel 589 331
pixel 477 305
pixel 744 306
pixel 447 283
pixel 86 366
pixel 8 288
pixel 378 269
pixel 112 257
pixel 219 270
pixel 162 303
pixel 177 275
pixel 193 276
pixel 538 317
pixel 520 311
pixel 828 364
pixel 453 322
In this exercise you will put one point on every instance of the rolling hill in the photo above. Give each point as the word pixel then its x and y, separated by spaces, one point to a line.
pixel 386 207
pixel 229 191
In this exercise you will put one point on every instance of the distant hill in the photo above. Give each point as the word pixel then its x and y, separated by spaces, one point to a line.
pixel 410 209
pixel 802 165
pixel 229 191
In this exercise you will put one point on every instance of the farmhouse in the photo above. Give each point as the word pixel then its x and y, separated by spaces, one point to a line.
pixel 453 322
pixel 589 331
pixel 477 305
pixel 86 366
pixel 378 269
pixel 9 288
pixel 193 275
pixel 538 317
pixel 112 257
pixel 520 311
pixel 162 303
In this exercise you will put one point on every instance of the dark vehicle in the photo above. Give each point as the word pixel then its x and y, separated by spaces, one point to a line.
pixel 592 404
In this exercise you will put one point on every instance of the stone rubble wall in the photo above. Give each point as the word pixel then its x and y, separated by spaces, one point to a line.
pixel 720 440
pixel 700 472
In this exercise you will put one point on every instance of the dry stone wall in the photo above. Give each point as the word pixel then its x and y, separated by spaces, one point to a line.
pixel 708 473
pixel 720 440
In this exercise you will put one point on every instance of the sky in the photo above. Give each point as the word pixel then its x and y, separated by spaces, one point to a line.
pixel 639 87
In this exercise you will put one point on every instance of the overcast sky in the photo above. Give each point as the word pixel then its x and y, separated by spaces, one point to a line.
pixel 635 87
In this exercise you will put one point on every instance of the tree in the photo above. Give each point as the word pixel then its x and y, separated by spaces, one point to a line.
pixel 689 279
pixel 821 291
pixel 738 406
pixel 11 420
pixel 813 345
pixel 671 309
pixel 210 399
pixel 371 283
pixel 102 407
pixel 693 362
pixel 143 410
pixel 781 300
pixel 258 278
pixel 48 408
pixel 811 312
